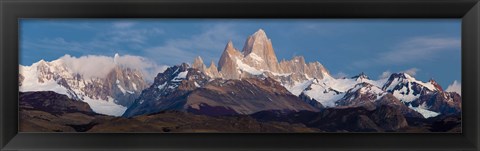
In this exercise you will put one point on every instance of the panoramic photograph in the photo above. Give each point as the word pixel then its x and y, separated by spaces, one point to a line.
pixel 240 75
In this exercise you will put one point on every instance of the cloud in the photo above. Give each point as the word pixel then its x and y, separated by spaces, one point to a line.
pixel 419 48
pixel 99 66
pixel 413 50
pixel 455 87
pixel 340 75
pixel 123 24
pixel 209 44
pixel 104 42
pixel 132 36
pixel 411 71
pixel 385 74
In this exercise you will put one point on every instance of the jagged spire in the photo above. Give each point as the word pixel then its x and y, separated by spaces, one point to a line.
pixel 260 34
pixel 198 63
pixel 212 64
pixel 434 83
pixel 227 54
pixel 229 45
pixel 198 59
pixel 259 45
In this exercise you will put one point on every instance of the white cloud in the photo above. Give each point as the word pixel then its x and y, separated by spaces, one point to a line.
pixel 411 71
pixel 123 24
pixel 99 66
pixel 419 48
pixel 385 74
pixel 131 36
pixel 413 50
pixel 455 87
pixel 340 75
pixel 209 45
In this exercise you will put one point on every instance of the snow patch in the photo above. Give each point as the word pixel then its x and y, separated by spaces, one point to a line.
pixel 31 82
pixel 244 67
pixel 281 74
pixel 298 87
pixel 121 89
pixel 425 113
pixel 105 107
pixel 405 95
pixel 329 90
pixel 181 76
pixel 255 57
pixel 160 87
pixel 134 86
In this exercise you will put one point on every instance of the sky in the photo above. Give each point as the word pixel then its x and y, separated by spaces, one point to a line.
pixel 424 48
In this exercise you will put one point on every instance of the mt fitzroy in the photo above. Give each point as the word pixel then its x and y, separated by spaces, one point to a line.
pixel 253 80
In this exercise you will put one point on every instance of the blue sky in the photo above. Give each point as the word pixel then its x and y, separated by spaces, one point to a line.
pixel 427 48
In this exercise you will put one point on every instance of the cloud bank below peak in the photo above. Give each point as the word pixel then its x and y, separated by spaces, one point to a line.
pixel 455 87
pixel 99 66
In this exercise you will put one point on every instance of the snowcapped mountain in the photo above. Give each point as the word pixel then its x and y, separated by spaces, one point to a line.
pixel 312 81
pixel 361 94
pixel 329 89
pixel 108 93
pixel 407 89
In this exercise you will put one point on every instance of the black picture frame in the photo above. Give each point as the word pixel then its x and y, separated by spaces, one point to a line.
pixel 12 10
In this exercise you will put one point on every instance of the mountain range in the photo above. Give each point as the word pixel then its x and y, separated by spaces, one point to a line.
pixel 252 82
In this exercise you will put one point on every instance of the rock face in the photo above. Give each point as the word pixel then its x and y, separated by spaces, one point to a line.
pixel 198 64
pixel 187 89
pixel 441 102
pixel 228 62
pixel 258 58
pixel 245 96
pixel 211 71
pixel 258 52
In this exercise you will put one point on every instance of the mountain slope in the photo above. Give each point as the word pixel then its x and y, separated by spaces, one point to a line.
pixel 197 93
